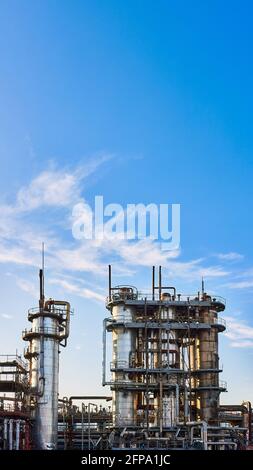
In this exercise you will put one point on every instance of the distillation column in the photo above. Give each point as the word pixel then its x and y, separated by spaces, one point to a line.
pixel 170 360
pixel 124 340
pixel 50 329
pixel 209 361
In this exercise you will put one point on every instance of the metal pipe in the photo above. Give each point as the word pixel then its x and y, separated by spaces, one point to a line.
pixel 203 426
pixel 160 282
pixel 89 440
pixel 5 433
pixel 177 401
pixel 89 397
pixel 66 304
pixel 10 434
pixel 17 434
pixel 110 281
pixel 104 353
pixel 153 282
pixel 82 425
pixel 249 412
pixel 42 298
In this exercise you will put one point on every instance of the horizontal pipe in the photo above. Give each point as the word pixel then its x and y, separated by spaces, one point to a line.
pixel 90 397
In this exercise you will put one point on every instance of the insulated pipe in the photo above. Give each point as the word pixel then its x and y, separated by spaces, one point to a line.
pixel 5 433
pixel 104 382
pixel 17 434
pixel 90 397
pixel 10 434
pixel 249 419
pixel 48 304
pixel 104 353
pixel 203 426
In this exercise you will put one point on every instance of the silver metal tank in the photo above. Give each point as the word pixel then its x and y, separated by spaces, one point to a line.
pixel 124 342
pixel 50 329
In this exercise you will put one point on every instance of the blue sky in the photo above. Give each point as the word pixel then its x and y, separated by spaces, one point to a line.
pixel 139 102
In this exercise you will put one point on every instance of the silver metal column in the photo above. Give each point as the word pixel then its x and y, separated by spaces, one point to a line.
pixel 50 329
pixel 123 344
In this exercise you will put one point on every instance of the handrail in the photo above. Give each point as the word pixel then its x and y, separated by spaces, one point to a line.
pixel 138 295
pixel 13 358
pixel 41 330
pixel 176 319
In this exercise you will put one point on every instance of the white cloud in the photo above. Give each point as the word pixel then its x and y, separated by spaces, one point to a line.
pixel 239 333
pixel 54 189
pixel 232 256
pixel 15 255
pixel 240 284
pixel 242 344
pixel 6 316
pixel 78 290
pixel 28 287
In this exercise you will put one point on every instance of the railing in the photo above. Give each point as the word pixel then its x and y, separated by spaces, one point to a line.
pixel 41 330
pixel 11 407
pixel 119 364
pixel 212 384
pixel 13 358
pixel 13 377
pixel 175 319
pixel 220 321
pixel 60 312
pixel 124 295
pixel 223 384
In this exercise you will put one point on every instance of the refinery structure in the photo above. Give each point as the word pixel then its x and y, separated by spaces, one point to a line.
pixel 162 378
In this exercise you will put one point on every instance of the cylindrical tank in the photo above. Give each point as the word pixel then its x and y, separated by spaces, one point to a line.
pixel 124 341
pixel 46 413
pixel 209 381
pixel 50 328
pixel 169 411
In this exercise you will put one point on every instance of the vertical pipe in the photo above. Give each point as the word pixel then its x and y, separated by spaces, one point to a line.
pixel 110 281
pixel 89 425
pixel 41 276
pixel 5 433
pixel 204 434
pixel 250 422
pixel 177 402
pixel 153 282
pixel 17 434
pixel 11 434
pixel 104 354
pixel 146 360
pixel 202 287
pixel 160 282
pixel 161 406
pixel 82 425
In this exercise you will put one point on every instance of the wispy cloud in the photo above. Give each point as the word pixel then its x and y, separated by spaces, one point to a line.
pixel 54 188
pixel 240 284
pixel 28 286
pixel 54 191
pixel 6 316
pixel 78 290
pixel 239 333
pixel 231 256
pixel 242 344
